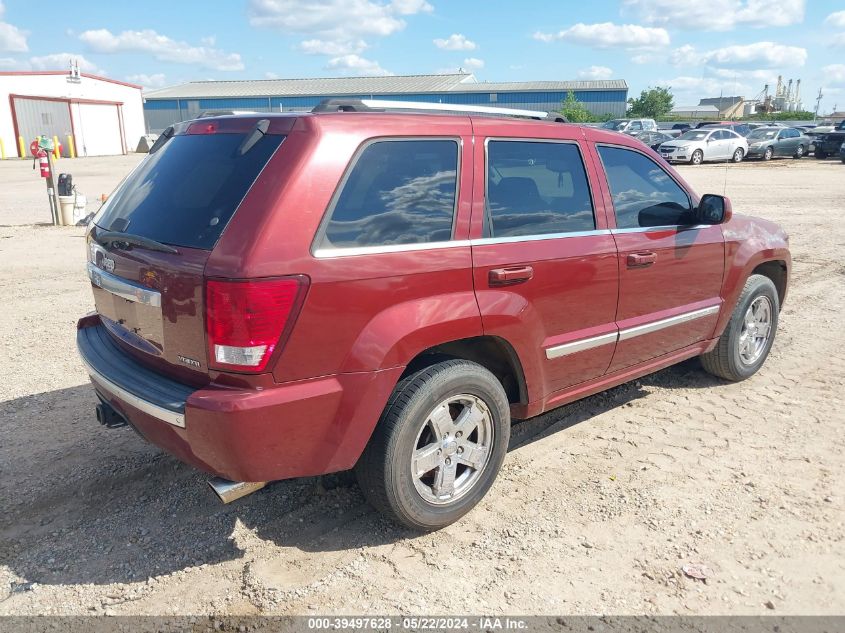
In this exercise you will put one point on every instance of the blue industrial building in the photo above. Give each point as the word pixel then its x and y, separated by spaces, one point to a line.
pixel 180 103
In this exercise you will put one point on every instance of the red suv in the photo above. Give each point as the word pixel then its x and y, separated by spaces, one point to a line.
pixel 289 295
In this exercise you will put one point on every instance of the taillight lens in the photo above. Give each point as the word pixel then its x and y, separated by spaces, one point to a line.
pixel 245 320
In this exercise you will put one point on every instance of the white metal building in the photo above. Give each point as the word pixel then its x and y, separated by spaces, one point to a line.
pixel 95 116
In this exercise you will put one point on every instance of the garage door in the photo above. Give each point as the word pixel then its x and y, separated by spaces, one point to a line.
pixel 41 116
pixel 98 129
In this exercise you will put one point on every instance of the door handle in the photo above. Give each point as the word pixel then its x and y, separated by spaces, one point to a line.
pixel 637 260
pixel 513 275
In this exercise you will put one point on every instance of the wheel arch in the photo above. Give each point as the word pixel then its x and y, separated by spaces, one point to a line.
pixel 776 270
pixel 491 352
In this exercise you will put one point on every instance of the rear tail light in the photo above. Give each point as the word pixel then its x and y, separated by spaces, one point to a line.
pixel 246 321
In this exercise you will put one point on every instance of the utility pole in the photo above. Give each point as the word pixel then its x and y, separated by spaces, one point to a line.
pixel 818 103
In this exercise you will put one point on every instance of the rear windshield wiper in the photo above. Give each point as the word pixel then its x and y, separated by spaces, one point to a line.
pixel 125 241
pixel 162 139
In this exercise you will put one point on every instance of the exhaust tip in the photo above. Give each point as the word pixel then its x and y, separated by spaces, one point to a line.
pixel 228 491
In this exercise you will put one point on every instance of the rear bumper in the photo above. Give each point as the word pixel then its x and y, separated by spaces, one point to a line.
pixel 295 429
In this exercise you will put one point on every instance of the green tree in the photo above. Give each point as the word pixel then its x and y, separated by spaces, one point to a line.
pixel 653 103
pixel 574 110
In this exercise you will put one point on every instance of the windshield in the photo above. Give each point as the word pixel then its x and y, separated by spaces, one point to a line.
pixel 186 192
pixel 694 135
pixel 614 124
pixel 762 134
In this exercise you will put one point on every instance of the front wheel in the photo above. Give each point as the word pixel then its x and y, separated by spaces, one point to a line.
pixel 438 445
pixel 799 151
pixel 697 157
pixel 767 155
pixel 820 154
pixel 738 155
pixel 744 345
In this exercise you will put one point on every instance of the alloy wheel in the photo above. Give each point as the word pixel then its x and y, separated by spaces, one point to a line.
pixel 756 330
pixel 452 449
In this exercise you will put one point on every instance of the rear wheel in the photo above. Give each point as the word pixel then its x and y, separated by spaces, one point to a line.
pixel 744 345
pixel 438 445
pixel 820 154
pixel 767 155
pixel 697 157
pixel 738 155
pixel 799 151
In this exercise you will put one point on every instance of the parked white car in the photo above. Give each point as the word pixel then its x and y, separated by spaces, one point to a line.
pixel 697 146
pixel 630 126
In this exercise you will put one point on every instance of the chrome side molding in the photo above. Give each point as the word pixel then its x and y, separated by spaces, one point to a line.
pixel 628 333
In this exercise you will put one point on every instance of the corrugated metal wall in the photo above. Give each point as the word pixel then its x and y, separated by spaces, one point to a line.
pixel 161 113
pixel 39 116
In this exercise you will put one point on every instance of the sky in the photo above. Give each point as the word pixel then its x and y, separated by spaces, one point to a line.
pixel 699 49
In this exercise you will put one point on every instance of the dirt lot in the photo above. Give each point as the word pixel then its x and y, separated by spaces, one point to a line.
pixel 597 508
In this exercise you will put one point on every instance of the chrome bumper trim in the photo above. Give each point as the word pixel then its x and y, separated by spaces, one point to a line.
pixel 165 415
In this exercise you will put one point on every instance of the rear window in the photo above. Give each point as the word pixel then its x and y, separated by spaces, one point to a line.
pixel 185 193
pixel 398 192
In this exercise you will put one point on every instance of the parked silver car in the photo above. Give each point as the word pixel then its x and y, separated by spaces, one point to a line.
pixel 630 126
pixel 697 146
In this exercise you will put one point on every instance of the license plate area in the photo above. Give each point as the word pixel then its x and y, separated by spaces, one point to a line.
pixel 132 307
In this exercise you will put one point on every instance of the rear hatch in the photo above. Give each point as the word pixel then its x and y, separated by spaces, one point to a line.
pixel 149 244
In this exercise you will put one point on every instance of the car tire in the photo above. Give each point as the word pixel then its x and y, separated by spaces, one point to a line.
pixel 799 152
pixel 415 432
pixel 767 155
pixel 697 157
pixel 820 155
pixel 744 345
pixel 739 154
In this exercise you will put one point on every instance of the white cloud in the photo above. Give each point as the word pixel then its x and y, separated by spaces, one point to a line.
pixel 327 47
pixel 686 55
pixel 12 39
pixel 61 61
pixel 768 54
pixel 473 63
pixel 334 27
pixel 716 15
pixel 456 42
pixel 643 58
pixel 759 54
pixel 596 72
pixel 610 35
pixel 835 73
pixel 270 75
pixel 410 7
pixel 161 48
pixel 836 19
pixel 149 82
pixel 9 62
pixel 356 65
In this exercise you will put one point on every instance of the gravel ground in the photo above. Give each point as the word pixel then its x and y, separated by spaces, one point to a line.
pixel 25 194
pixel 598 509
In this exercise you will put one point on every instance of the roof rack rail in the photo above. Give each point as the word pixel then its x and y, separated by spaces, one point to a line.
pixel 378 105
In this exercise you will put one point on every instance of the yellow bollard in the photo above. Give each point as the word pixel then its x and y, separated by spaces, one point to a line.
pixel 21 146
pixel 56 153
pixel 71 146
pixel 2 150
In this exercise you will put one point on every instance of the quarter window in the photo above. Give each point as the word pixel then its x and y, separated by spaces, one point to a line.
pixel 536 188
pixel 644 195
pixel 398 192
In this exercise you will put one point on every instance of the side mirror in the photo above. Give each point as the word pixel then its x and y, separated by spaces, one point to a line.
pixel 713 209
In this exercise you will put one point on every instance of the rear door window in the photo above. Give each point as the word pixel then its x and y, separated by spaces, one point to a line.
pixel 536 188
pixel 401 191
pixel 186 192
pixel 644 195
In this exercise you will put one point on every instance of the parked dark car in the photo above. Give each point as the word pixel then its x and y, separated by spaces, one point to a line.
pixel 770 142
pixel 287 295
pixel 828 144
pixel 653 139
pixel 842 152
pixel 683 127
